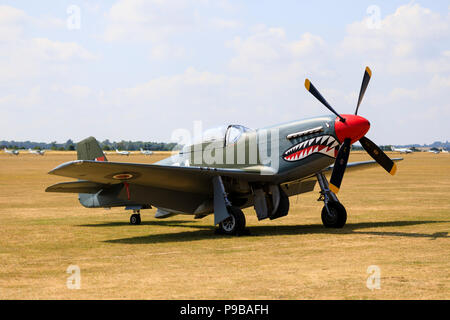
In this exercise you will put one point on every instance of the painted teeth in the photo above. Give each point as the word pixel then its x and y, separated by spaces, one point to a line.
pixel 308 147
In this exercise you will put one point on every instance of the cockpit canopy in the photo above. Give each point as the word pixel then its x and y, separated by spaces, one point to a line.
pixel 234 132
pixel 230 134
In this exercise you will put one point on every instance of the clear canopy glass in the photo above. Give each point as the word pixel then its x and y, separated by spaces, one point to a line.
pixel 230 134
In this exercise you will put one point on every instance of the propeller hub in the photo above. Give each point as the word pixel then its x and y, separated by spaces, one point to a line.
pixel 354 128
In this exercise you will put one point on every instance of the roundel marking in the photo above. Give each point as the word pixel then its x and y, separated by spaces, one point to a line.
pixel 122 176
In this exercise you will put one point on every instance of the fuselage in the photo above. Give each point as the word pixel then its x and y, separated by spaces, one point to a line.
pixel 13 152
pixel 289 151
pixel 39 152
pixel 146 152
pixel 402 150
pixel 124 153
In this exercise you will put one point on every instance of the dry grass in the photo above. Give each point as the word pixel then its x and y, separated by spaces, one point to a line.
pixel 398 223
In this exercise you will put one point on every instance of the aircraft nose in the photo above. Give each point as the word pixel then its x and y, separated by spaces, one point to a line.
pixel 354 127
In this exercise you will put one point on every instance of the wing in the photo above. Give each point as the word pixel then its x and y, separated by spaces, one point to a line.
pixel 360 165
pixel 195 180
pixel 191 179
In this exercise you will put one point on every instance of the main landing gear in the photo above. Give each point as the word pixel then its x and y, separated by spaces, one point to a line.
pixel 334 214
pixel 235 223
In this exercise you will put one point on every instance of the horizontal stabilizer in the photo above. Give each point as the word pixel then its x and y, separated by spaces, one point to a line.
pixel 76 187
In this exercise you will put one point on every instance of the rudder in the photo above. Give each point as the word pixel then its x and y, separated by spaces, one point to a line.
pixel 89 149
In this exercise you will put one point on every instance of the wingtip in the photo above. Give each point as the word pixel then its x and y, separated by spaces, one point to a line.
pixel 55 170
pixel 369 71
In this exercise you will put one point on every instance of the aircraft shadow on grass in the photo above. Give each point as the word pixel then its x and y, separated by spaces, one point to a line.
pixel 206 232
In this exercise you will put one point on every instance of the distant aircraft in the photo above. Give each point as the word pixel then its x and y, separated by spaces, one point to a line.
pixel 146 152
pixel 401 150
pixel 434 151
pixel 123 153
pixel 302 152
pixel 14 152
pixel 39 152
pixel 444 151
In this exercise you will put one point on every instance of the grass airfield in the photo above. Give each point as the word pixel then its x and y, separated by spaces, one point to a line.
pixel 399 224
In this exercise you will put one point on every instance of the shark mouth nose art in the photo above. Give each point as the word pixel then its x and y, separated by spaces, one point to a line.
pixel 326 145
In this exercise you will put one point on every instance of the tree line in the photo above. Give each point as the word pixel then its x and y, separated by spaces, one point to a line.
pixel 105 145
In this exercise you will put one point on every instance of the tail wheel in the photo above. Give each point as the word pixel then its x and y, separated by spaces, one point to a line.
pixel 235 224
pixel 135 219
pixel 335 216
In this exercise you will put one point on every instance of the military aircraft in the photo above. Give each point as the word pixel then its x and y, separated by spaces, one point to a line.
pixel 146 152
pixel 38 152
pixel 12 152
pixel 241 168
pixel 123 153
pixel 401 150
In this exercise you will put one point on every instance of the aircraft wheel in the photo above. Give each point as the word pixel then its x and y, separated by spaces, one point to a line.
pixel 235 224
pixel 335 217
pixel 135 219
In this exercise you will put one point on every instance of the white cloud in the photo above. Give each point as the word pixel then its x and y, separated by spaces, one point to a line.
pixel 11 23
pixel 140 20
pixel 164 51
pixel 268 50
pixel 221 23
pixel 74 91
pixel 23 57
pixel 56 51
pixel 158 20
pixel 409 40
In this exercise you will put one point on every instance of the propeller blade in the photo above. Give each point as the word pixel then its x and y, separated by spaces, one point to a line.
pixel 378 155
pixel 365 83
pixel 339 166
pixel 309 86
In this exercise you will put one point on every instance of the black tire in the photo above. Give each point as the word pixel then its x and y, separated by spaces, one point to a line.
pixel 235 224
pixel 135 219
pixel 283 207
pixel 336 218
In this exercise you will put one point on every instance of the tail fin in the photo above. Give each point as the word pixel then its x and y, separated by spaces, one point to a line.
pixel 89 149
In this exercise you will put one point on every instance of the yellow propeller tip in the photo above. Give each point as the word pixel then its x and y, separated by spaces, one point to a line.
pixel 393 170
pixel 333 188
pixel 369 71
pixel 307 84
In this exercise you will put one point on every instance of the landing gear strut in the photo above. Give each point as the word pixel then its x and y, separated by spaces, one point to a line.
pixel 136 217
pixel 334 214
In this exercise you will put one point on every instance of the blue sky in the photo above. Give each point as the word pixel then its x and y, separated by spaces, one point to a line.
pixel 138 70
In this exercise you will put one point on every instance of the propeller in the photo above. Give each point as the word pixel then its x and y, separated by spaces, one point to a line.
pixel 364 84
pixel 339 166
pixel 378 155
pixel 310 87
pixel 349 129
